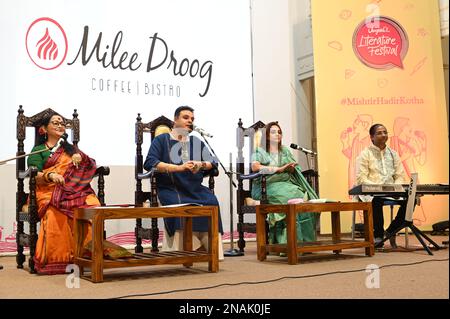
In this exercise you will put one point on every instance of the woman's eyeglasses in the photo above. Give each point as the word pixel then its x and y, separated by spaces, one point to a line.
pixel 55 123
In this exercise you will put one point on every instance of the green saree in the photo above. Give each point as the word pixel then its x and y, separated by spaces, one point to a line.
pixel 282 187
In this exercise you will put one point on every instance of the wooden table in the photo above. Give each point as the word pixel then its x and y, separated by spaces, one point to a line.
pixel 186 257
pixel 293 248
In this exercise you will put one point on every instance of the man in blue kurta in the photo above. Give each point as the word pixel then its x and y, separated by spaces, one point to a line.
pixel 182 161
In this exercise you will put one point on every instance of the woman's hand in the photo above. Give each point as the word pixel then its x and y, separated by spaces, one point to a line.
pixel 76 159
pixel 289 167
pixel 56 178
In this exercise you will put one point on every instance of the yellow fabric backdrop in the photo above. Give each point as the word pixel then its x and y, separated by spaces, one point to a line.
pixel 351 96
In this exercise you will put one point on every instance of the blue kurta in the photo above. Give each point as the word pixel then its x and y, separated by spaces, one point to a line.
pixel 181 187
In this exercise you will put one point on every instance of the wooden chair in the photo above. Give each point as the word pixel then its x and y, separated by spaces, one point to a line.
pixel 245 205
pixel 254 135
pixel 30 215
pixel 157 126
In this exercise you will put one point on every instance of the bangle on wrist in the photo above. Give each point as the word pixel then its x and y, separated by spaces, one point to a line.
pixel 47 176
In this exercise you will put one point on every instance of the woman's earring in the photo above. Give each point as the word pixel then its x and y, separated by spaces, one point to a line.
pixel 45 135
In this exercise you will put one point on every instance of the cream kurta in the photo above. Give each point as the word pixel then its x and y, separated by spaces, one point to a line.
pixel 376 166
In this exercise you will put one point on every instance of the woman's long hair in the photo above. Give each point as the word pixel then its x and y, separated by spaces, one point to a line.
pixel 268 127
pixel 68 148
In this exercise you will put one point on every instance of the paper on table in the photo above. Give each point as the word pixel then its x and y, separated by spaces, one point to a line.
pixel 184 204
pixel 322 200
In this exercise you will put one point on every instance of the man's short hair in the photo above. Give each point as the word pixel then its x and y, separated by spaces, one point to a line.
pixel 373 128
pixel 182 108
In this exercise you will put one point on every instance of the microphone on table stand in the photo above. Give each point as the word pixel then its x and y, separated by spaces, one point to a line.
pixel 304 150
pixel 201 131
pixel 58 144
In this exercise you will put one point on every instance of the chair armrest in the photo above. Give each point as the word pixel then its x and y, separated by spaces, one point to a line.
pixel 102 170
pixel 214 172
pixel 22 197
pixel 253 176
pixel 148 174
pixel 250 176
pixel 30 172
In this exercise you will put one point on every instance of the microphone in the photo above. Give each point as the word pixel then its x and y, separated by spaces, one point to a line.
pixel 62 139
pixel 305 150
pixel 201 131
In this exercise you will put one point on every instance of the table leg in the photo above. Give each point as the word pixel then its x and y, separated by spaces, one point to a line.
pixel 78 239
pixel 213 240
pixel 336 229
pixel 368 233
pixel 261 235
pixel 291 225
pixel 187 237
pixel 97 253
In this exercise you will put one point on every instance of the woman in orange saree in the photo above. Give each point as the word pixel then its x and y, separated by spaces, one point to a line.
pixel 63 184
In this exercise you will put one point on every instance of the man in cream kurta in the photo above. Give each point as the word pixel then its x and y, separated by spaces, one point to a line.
pixel 378 164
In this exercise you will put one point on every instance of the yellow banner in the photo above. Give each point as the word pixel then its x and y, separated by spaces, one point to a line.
pixel 380 62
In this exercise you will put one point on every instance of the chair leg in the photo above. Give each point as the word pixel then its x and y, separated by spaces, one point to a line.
pixel 241 241
pixel 20 257
pixel 32 242
pixel 406 238
pixel 138 248
pixel 155 235
pixel 353 224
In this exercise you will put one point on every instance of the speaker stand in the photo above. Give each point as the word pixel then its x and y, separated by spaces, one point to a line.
pixel 418 233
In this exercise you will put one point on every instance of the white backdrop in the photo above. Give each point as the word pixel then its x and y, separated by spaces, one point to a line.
pixel 209 39
pixel 202 30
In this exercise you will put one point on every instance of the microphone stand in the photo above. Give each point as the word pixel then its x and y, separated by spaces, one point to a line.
pixel 232 252
pixel 57 145
pixel 23 155
pixel 308 159
pixel 218 160
pixel 309 162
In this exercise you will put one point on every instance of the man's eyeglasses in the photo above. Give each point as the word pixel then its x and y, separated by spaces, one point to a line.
pixel 55 123
pixel 382 133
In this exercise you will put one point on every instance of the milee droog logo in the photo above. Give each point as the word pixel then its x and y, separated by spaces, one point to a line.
pixel 47 46
pixel 46 43
pixel 380 43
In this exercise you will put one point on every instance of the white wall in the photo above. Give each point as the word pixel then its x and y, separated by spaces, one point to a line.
pixel 271 65
pixel 278 94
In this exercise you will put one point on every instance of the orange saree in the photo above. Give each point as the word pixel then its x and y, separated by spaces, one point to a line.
pixel 55 245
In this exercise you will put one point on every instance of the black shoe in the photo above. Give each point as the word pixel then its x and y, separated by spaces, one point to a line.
pixel 378 242
pixel 391 240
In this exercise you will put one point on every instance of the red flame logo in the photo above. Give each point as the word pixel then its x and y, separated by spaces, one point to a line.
pixel 46 43
pixel 47 48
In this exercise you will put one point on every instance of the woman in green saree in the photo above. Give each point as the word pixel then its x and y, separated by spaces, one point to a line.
pixel 285 182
